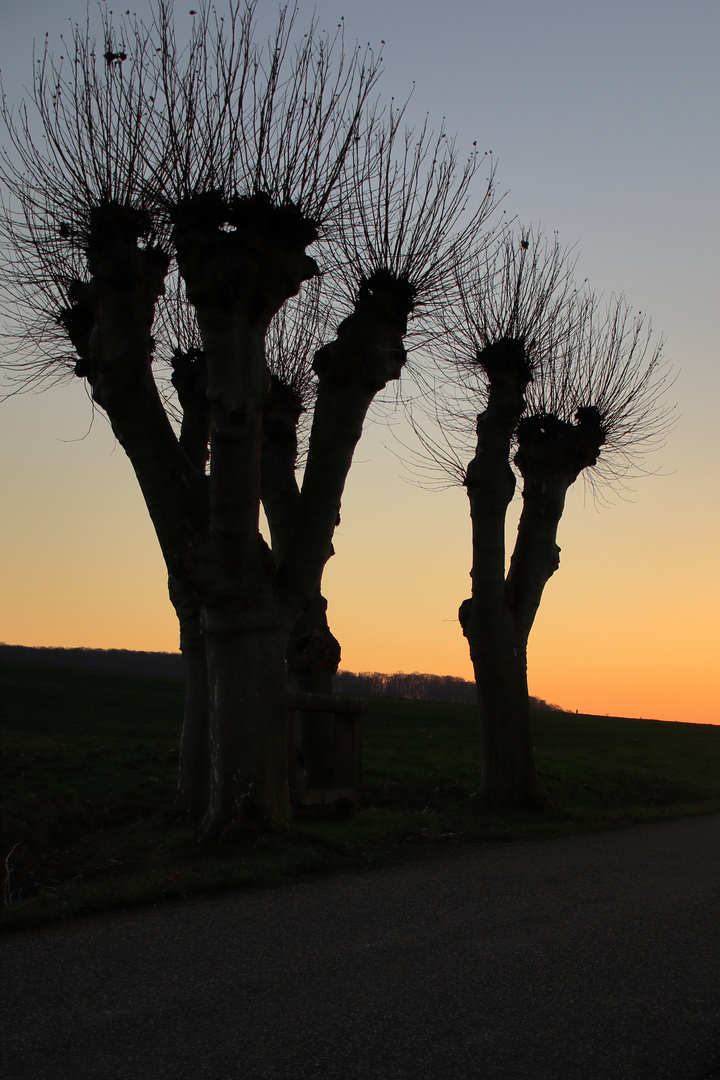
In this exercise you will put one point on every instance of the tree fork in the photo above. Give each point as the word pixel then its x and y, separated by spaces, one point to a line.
pixel 508 778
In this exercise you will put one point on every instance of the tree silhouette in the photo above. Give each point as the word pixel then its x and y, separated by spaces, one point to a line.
pixel 293 336
pixel 213 168
pixel 560 386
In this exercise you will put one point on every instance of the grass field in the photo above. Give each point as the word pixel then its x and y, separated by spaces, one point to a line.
pixel 89 763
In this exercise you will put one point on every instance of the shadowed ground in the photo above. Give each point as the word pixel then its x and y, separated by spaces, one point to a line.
pixel 589 957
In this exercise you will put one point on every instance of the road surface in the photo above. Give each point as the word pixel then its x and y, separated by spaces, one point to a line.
pixel 587 958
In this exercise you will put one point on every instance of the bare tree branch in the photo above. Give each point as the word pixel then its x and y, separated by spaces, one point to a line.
pixel 244 119
pixel 410 208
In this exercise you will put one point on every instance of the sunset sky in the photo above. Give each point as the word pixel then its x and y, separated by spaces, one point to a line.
pixel 604 119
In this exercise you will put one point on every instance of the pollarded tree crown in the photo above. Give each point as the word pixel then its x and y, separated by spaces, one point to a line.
pixel 252 216
pixel 396 293
pixel 593 366
pixel 242 247
pixel 505 359
pixel 114 221
pixel 508 370
pixel 551 447
pixel 115 255
pixel 119 267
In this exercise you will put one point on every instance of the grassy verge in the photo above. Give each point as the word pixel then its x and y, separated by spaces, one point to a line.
pixel 89 763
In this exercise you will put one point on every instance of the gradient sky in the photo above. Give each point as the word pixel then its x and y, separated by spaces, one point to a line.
pixel 603 116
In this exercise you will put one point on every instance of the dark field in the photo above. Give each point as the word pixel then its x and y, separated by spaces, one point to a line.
pixel 89 764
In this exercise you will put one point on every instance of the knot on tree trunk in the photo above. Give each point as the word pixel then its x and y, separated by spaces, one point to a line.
pixel 464 613
pixel 313 652
pixel 369 347
pixel 489 479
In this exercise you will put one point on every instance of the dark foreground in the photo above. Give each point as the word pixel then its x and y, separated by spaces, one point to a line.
pixel 589 957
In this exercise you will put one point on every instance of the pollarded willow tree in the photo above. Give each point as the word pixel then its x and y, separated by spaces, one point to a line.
pixel 559 386
pixel 223 162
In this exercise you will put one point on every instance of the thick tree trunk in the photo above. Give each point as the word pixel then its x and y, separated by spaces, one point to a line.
pixel 508 777
pixel 237 279
pixel 248 724
pixel 498 619
pixel 245 637
pixel 244 633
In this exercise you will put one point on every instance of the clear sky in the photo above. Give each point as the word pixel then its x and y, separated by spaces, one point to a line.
pixel 604 118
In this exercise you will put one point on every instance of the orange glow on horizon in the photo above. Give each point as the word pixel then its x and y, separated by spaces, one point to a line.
pixel 618 630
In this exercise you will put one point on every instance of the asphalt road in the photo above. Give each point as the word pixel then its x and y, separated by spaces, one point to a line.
pixel 590 958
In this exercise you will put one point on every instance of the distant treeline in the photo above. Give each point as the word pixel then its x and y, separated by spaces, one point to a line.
pixel 155 665
pixel 160 665
pixel 415 685
pixel 401 685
